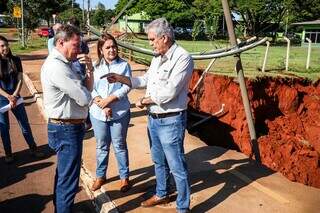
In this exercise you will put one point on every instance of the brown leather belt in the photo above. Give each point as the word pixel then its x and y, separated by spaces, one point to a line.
pixel 66 121
pixel 164 115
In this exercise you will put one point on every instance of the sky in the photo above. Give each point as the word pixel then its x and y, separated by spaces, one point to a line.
pixel 109 4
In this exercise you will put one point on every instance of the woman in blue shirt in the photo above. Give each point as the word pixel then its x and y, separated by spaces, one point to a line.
pixel 10 86
pixel 110 112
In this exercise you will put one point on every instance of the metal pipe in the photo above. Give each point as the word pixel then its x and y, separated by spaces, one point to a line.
pixel 309 53
pixel 288 52
pixel 239 70
pixel 265 56
pixel 243 46
pixel 203 74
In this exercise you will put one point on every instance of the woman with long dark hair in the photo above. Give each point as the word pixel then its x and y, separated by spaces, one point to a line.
pixel 110 112
pixel 10 86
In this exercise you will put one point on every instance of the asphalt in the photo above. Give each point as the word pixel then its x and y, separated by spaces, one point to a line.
pixel 221 180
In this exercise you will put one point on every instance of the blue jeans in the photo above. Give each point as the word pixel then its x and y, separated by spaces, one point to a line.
pixel 166 137
pixel 115 132
pixel 22 118
pixel 66 141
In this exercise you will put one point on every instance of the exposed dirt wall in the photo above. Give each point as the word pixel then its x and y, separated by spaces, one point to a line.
pixel 287 120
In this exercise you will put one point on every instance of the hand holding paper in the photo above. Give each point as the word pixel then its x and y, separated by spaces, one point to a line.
pixel 8 106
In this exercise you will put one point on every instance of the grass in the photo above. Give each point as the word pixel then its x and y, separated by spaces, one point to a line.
pixel 252 59
pixel 34 43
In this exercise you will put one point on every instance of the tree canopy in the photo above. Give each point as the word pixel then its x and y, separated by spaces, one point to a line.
pixel 256 16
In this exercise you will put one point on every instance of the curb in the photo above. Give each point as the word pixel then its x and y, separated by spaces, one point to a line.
pixel 99 198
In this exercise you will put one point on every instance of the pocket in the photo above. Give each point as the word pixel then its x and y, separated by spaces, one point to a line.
pixel 53 140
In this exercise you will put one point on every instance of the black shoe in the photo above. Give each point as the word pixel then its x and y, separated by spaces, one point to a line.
pixel 36 153
pixel 8 159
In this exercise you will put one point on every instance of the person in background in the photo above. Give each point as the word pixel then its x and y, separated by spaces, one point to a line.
pixel 166 99
pixel 110 112
pixel 76 66
pixel 66 101
pixel 10 86
pixel 55 28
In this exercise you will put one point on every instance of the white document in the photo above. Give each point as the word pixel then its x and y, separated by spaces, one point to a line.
pixel 8 106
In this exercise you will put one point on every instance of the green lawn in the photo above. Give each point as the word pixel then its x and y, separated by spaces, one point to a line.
pixel 35 43
pixel 252 60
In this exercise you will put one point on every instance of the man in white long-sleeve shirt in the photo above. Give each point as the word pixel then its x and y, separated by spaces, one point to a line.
pixel 167 83
pixel 66 101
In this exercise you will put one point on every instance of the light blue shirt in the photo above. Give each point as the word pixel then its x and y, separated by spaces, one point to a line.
pixel 50 44
pixel 103 88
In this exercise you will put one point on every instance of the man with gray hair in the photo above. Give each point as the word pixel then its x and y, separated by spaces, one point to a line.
pixel 66 101
pixel 166 99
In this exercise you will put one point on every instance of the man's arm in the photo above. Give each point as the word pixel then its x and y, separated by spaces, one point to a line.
pixel 64 79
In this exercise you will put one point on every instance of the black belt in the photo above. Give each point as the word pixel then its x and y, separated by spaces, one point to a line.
pixel 164 115
pixel 66 121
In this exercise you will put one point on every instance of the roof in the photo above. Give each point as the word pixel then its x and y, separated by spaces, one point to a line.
pixel 315 22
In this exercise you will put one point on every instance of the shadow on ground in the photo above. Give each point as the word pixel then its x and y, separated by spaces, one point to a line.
pixel 35 203
pixel 203 176
pixel 17 171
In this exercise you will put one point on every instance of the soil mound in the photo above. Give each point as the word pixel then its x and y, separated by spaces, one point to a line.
pixel 287 120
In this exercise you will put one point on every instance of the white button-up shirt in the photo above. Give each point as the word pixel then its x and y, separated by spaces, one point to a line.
pixel 167 80
pixel 64 96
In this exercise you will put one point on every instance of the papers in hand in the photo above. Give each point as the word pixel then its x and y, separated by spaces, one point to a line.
pixel 8 106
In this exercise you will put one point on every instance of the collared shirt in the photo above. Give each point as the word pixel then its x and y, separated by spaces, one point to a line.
pixel 167 80
pixel 104 89
pixel 50 44
pixel 63 94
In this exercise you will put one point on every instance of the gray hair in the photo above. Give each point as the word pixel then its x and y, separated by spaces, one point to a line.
pixel 161 27
pixel 66 32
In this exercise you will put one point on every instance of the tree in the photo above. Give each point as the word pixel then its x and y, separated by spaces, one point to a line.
pixel 257 15
pixel 3 6
pixel 101 16
pixel 207 15
pixel 35 11
pixel 178 13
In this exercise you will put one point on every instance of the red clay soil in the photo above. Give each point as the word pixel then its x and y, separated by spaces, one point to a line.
pixel 287 120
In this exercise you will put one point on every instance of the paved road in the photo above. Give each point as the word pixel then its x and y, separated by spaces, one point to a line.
pixel 26 186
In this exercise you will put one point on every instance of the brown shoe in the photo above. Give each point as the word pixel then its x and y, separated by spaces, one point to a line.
pixel 98 183
pixel 155 200
pixel 125 185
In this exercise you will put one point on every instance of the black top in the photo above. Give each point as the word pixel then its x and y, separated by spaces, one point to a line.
pixel 9 79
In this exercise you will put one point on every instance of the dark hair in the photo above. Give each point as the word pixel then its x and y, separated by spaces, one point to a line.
pixel 4 64
pixel 101 41
pixel 66 32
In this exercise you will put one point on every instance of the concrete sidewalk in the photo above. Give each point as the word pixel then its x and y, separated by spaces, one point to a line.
pixel 221 180
pixel 26 185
